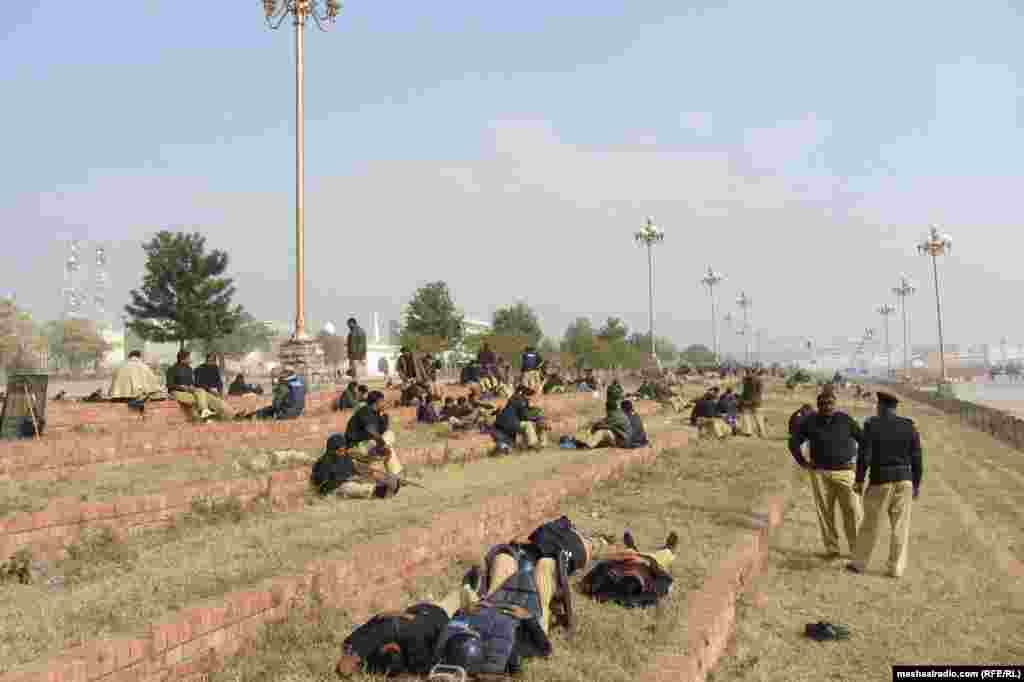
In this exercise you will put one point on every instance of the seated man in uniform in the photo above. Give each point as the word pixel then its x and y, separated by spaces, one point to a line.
pixel 616 393
pixel 404 643
pixel 238 387
pixel 554 383
pixel 361 392
pixel 516 419
pixel 207 376
pixel 182 387
pixel 426 413
pixel 406 366
pixel 705 417
pixel 463 416
pixel 447 409
pixel 348 398
pixel 632 578
pixel 369 445
pixel 614 431
pixel 134 380
pixel 289 398
pixel 638 434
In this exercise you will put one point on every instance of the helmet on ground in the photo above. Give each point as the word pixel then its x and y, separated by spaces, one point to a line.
pixel 464 651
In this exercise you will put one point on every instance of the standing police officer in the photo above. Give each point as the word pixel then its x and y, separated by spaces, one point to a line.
pixel 894 460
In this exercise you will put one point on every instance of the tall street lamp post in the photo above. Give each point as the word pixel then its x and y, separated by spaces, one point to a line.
pixel 905 288
pixel 744 302
pixel 885 310
pixel 301 350
pixel 712 279
pixel 648 236
pixel 935 245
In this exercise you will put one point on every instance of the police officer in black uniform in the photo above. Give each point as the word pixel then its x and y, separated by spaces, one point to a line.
pixel 895 464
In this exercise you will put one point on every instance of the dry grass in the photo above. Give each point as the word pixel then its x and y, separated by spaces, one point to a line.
pixel 160 572
pixel 956 604
pixel 704 493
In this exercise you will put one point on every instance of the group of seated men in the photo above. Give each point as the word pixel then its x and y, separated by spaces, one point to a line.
pixel 504 610
pixel 201 390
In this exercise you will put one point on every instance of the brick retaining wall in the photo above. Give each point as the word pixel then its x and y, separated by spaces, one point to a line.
pixel 1001 425
pixel 200 637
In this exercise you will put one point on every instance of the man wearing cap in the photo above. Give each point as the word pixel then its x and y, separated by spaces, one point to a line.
pixel 517 419
pixel 404 643
pixel 894 462
pixel 614 431
pixel 289 397
pixel 369 444
pixel 531 363
pixel 835 440
pixel 751 420
pixel 356 347
pixel 406 366
pixel 705 416
pixel 181 385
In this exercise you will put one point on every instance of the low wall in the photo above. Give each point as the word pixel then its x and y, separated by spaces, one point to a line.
pixel 1001 425
pixel 199 638
pixel 711 618
pixel 50 458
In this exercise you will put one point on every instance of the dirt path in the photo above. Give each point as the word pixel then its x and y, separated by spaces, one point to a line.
pixel 958 602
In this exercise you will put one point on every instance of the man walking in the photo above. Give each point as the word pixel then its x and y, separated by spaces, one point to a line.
pixel 894 460
pixel 356 346
pixel 832 436
pixel 751 419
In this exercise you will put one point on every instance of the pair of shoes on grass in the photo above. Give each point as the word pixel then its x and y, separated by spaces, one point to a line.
pixel 823 632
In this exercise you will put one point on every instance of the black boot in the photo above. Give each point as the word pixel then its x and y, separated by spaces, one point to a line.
pixel 672 541
pixel 628 541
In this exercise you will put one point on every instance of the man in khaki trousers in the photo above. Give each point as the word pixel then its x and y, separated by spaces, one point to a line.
pixel 832 437
pixel 894 462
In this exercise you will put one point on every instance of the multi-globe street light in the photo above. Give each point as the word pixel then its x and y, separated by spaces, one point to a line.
pixel 322 12
pixel 744 302
pixel 904 289
pixel 712 279
pixel 935 245
pixel 885 310
pixel 648 236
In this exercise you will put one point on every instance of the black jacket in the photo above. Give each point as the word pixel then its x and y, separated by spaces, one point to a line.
pixel 894 453
pixel 208 377
pixel 832 440
pixel 516 410
pixel 638 438
pixel 364 425
pixel 703 408
pixel 728 405
pixel 796 419
pixel 416 632
pixel 180 377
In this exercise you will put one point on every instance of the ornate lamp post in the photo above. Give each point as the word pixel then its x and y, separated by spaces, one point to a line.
pixel 905 288
pixel 728 319
pixel 885 310
pixel 712 279
pixel 744 302
pixel 935 245
pixel 301 351
pixel 321 12
pixel 649 236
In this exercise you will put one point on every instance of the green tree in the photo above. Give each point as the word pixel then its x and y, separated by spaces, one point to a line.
pixel 249 335
pixel 614 329
pixel 184 295
pixel 431 321
pixel 518 320
pixel 579 341
pixel 665 348
pixel 698 355
pixel 613 349
pixel 20 340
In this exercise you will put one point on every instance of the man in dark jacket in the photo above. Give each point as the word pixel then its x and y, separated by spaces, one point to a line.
pixel 516 419
pixel 614 431
pixel 289 401
pixel 835 440
pixel 893 459
pixel 638 435
pixel 181 385
pixel 348 398
pixel 632 578
pixel 751 421
pixel 705 417
pixel 207 376
pixel 356 347
pixel 370 445
pixel 403 643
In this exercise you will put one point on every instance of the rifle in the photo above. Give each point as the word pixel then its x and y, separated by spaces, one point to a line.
pixel 364 466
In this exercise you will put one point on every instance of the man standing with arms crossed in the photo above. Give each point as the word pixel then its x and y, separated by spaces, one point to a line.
pixel 894 461
pixel 832 435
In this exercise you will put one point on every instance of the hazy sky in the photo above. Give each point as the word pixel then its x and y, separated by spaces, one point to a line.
pixel 512 149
